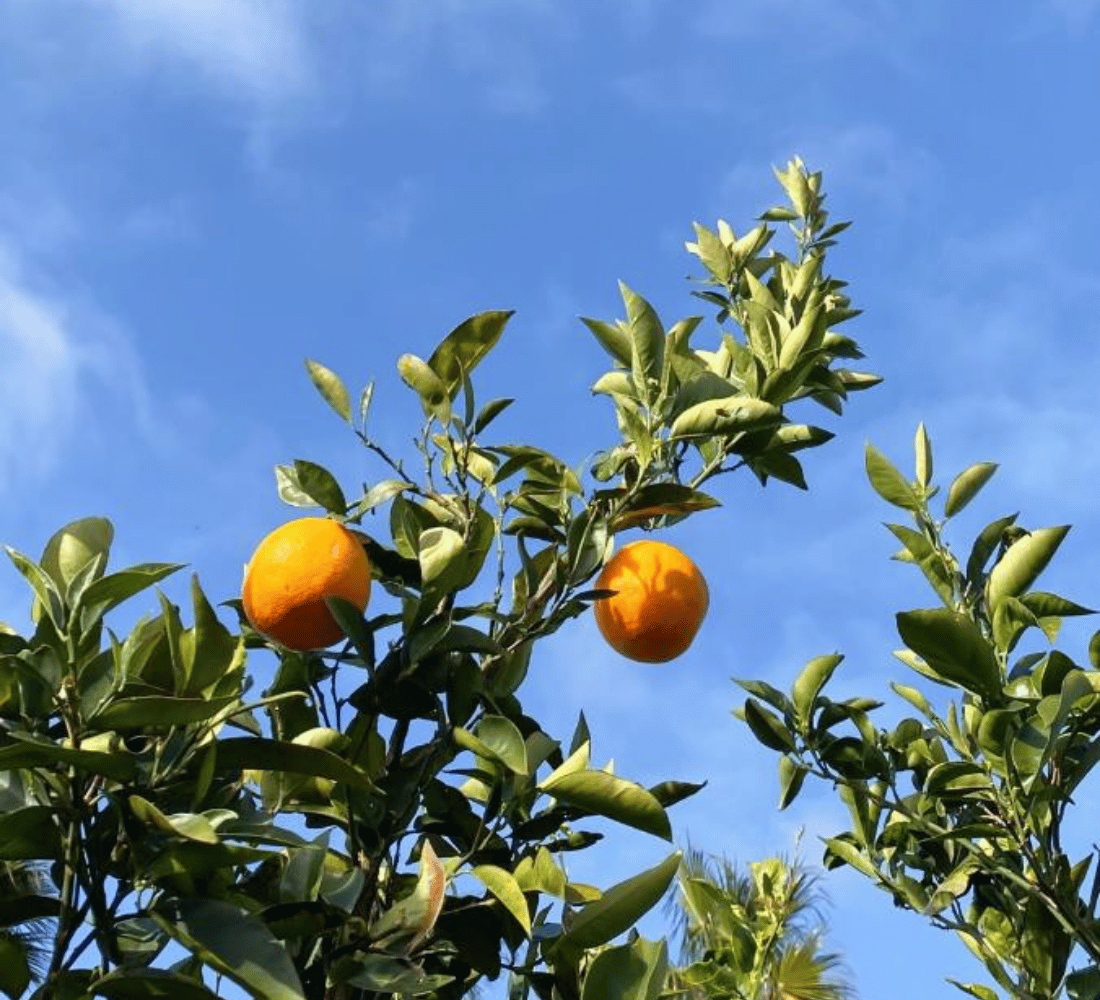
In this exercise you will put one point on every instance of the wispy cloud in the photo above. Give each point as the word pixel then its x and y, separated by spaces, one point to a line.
pixel 253 50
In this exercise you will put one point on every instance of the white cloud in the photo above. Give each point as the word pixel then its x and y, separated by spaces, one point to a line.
pixel 253 49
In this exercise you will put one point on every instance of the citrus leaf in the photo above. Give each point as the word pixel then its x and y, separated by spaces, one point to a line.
pixel 233 943
pixel 27 753
pixel 809 683
pixel 148 984
pixel 621 907
pixel 1023 561
pixel 888 482
pixel 505 888
pixel 724 416
pixel 158 712
pixel 767 727
pixel 952 647
pixel 74 546
pixel 29 834
pixel 254 753
pixel 632 971
pixel 110 591
pixel 608 795
pixel 332 390
pixel 464 347
pixel 965 486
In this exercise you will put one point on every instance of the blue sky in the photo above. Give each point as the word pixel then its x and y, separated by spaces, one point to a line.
pixel 197 194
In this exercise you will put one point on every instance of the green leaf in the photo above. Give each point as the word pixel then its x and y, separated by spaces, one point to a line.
pixel 849 854
pixel 15 973
pixel 208 650
pixel 110 591
pixel 767 727
pixel 661 499
pixel 234 944
pixel 419 376
pixel 609 795
pixel 974 989
pixel 441 554
pixel 984 544
pixel 262 754
pixel 1046 605
pixel 504 887
pixel 489 412
pixel 965 486
pixel 465 346
pixel 621 906
pixel 28 753
pixel 810 681
pixel 724 416
pixel 1023 561
pixel 668 793
pixel 29 834
pixel 922 448
pixel 888 482
pixel 158 712
pixel 187 825
pixel 632 971
pixel 47 596
pixel 315 482
pixel 74 546
pixel 379 493
pixel 332 390
pixel 791 777
pixel 647 343
pixel 148 984
pixel 612 338
pixel 953 647
pixel 504 742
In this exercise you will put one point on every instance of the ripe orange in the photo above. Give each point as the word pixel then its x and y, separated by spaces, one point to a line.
pixel 291 573
pixel 661 600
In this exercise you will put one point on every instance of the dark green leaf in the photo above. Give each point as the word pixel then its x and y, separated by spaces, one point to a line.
pixel 668 793
pixel 261 754
pixel 953 647
pixel 465 346
pixel 621 906
pixel 489 412
pixel 767 727
pixel 318 484
pixel 632 971
pixel 987 540
pixel 612 338
pixel 148 984
pixel 234 943
pixel 27 753
pixel 153 712
pixel 15 973
pixel 28 834
pixel 791 777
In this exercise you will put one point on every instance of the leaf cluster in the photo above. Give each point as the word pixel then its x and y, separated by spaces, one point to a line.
pixel 959 814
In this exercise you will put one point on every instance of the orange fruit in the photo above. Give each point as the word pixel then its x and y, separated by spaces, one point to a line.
pixel 660 601
pixel 291 573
